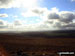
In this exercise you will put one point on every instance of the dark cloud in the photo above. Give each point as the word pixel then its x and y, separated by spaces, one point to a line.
pixel 61 19
pixel 3 24
pixel 6 3
pixel 39 10
pixel 2 2
pixel 67 17
pixel 2 27
pixel 53 16
pixel 69 25
pixel 49 21
pixel 64 16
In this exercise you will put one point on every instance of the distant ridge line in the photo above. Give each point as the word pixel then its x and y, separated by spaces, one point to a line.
pixel 47 34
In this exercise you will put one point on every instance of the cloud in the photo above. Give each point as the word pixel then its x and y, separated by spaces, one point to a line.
pixel 54 9
pixel 53 13
pixel 59 19
pixel 34 12
pixel 6 3
pixel 39 10
pixel 62 16
pixel 55 19
pixel 3 15
pixel 17 23
pixel 47 14
pixel 67 26
pixel 28 14
pixel 53 16
pixel 70 25
pixel 13 26
pixel 66 16
pixel 18 3
pixel 3 24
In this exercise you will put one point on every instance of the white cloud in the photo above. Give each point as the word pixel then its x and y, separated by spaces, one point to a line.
pixel 17 23
pixel 28 14
pixel 18 3
pixel 3 15
pixel 54 9
pixel 34 12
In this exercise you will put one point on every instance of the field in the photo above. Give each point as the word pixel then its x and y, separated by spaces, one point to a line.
pixel 38 42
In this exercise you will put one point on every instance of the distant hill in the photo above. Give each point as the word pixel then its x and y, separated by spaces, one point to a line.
pixel 48 34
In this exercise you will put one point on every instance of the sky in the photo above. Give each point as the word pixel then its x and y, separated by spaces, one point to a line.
pixel 37 15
